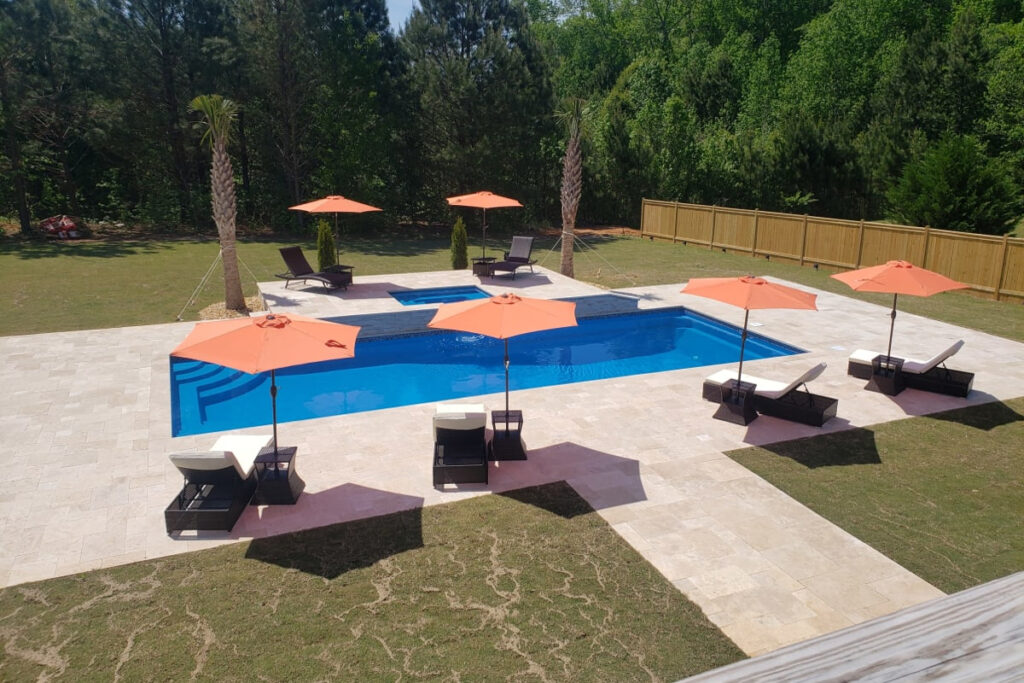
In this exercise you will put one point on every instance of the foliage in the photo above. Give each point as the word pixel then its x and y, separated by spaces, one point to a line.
pixel 326 252
pixel 954 185
pixel 482 93
pixel 746 103
pixel 459 245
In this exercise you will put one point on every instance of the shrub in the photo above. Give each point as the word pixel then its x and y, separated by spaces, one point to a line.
pixel 460 245
pixel 954 185
pixel 325 253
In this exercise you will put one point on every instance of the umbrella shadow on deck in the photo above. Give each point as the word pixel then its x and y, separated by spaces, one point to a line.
pixel 600 479
pixel 379 524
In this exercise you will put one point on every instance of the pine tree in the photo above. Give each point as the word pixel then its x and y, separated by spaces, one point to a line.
pixel 460 245
pixel 326 255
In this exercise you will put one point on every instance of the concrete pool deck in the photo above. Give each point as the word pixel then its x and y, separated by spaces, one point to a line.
pixel 86 419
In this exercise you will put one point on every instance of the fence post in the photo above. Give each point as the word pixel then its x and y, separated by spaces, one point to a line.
pixel 860 246
pixel 753 245
pixel 927 237
pixel 1002 266
pixel 714 216
pixel 675 221
pixel 803 241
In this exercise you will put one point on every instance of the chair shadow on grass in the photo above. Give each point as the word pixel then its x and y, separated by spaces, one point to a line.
pixel 600 480
pixel 985 416
pixel 389 524
pixel 838 449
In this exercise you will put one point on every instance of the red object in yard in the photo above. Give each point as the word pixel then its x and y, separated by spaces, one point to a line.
pixel 62 227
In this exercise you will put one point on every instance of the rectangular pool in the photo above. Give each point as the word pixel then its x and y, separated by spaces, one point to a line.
pixel 438 295
pixel 437 366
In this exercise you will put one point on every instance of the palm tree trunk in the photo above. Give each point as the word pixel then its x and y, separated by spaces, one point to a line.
pixel 572 188
pixel 223 199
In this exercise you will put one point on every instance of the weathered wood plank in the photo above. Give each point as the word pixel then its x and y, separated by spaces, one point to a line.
pixel 977 634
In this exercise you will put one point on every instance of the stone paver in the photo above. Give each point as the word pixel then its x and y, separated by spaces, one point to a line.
pixel 86 420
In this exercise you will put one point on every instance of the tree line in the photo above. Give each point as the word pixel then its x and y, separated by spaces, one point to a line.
pixel 911 111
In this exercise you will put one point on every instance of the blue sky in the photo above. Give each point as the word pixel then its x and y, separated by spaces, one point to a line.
pixel 398 12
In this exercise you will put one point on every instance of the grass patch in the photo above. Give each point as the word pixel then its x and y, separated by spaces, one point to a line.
pixel 57 286
pixel 528 585
pixel 942 495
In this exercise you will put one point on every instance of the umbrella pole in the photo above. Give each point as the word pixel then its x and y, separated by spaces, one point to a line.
pixel 743 343
pixel 483 244
pixel 506 387
pixel 892 326
pixel 273 403
pixel 337 242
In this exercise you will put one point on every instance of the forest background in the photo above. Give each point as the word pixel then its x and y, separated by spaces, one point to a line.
pixel 905 110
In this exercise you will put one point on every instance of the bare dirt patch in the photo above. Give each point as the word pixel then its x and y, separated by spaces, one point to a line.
pixel 218 311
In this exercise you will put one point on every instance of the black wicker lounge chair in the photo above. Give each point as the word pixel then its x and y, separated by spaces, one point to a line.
pixel 460 444
pixel 218 485
pixel 299 269
pixel 778 399
pixel 516 257
pixel 925 375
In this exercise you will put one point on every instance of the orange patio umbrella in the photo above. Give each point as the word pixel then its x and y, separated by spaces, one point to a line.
pixel 898 277
pixel 483 200
pixel 268 342
pixel 749 292
pixel 335 204
pixel 504 316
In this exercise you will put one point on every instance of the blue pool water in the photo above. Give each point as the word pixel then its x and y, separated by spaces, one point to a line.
pixel 437 366
pixel 438 295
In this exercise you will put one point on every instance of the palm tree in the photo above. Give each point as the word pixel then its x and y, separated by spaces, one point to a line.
pixel 218 114
pixel 572 179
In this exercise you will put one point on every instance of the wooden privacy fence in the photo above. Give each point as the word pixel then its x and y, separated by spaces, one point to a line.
pixel 991 265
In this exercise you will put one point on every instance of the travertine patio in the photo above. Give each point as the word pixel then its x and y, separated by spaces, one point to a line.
pixel 86 420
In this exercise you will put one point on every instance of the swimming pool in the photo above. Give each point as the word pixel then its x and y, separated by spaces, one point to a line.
pixel 437 366
pixel 438 295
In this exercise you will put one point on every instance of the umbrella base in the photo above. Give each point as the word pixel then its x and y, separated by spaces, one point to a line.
pixel 483 266
pixel 737 404
pixel 507 447
pixel 886 375
pixel 277 481
pixel 507 440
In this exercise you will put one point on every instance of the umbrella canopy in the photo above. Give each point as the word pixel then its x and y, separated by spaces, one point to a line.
pixel 483 200
pixel 749 292
pixel 898 277
pixel 335 204
pixel 269 342
pixel 504 316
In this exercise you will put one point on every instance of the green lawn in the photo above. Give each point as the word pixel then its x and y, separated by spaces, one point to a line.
pixel 56 286
pixel 942 495
pixel 530 585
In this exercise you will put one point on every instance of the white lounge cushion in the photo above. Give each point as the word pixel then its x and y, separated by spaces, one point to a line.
pixel 910 364
pixel 245 447
pixel 235 450
pixel 923 366
pixel 209 461
pixel 459 416
pixel 769 388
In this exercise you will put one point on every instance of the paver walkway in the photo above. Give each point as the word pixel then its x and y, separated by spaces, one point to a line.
pixel 85 417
